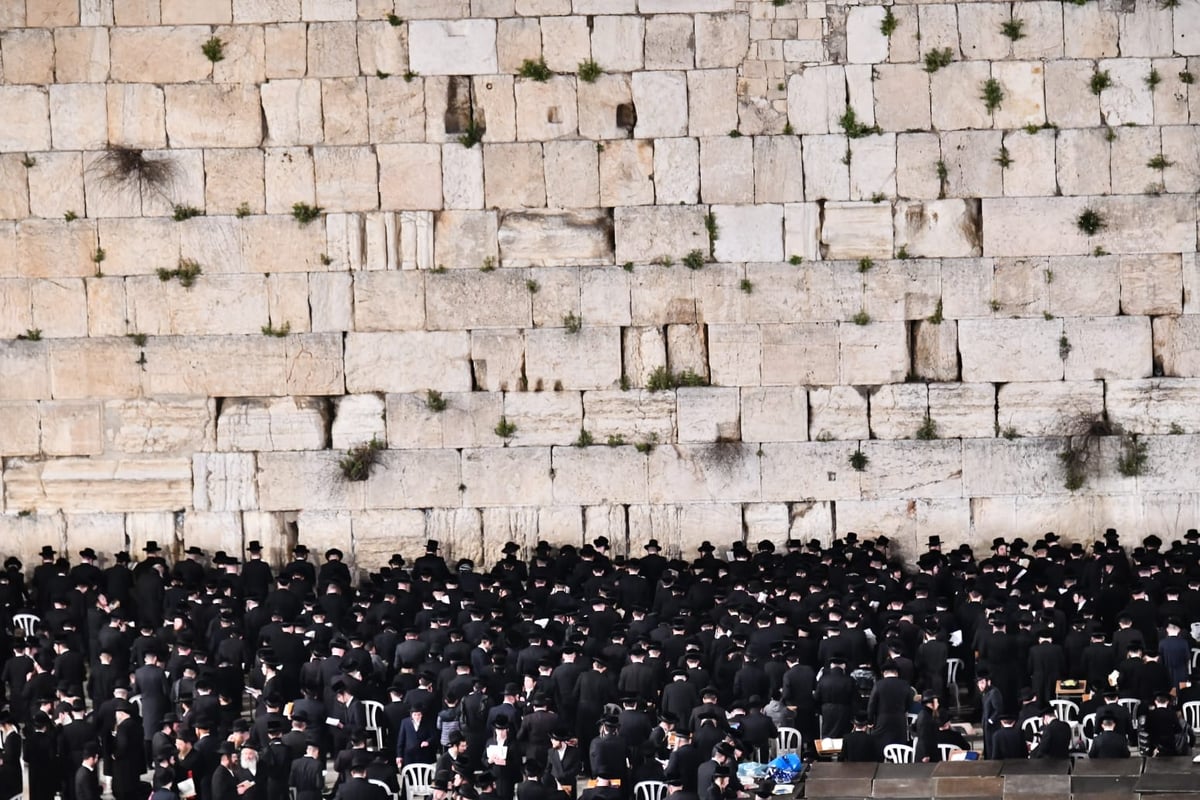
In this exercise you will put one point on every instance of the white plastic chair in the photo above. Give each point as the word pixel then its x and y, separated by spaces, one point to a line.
pixel 417 780
pixel 1033 727
pixel 136 700
pixel 953 665
pixel 899 753
pixel 1195 657
pixel 788 741
pixel 1087 730
pixel 946 749
pixel 1131 705
pixel 371 711
pixel 1066 710
pixel 26 622
pixel 383 786
pixel 912 720
pixel 1191 713
pixel 650 790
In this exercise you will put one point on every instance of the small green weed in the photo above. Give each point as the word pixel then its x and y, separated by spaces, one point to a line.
pixel 1013 29
pixel 992 94
pixel 30 335
pixel 865 265
pixel 796 260
pixel 937 58
pixel 434 401
pixel 304 213
pixel 1090 221
pixel 505 429
pixel 488 265
pixel 662 379
pixel 694 259
pixel 394 21
pixel 572 323
pixel 616 440
pixel 280 332
pixel 859 461
pixel 139 339
pixel 243 210
pixel 1004 159
pixel 585 439
pixel 70 216
pixel 889 23
pixel 928 429
pixel 1187 77
pixel 214 50
pixel 1153 79
pixel 861 318
pixel 356 464
pixel 589 71
pixel 180 213
pixel 1100 81
pixel 535 70
pixel 1159 162
pixel 532 286
pixel 746 286
pixel 936 318
pixel 853 128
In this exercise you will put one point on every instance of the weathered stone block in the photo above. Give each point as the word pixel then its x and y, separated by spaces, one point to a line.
pixel 78 116
pixel 544 238
pixel 168 426
pixel 901 470
pixel 1151 284
pixel 774 414
pixel 722 471
pixel 1003 350
pixel 514 176
pixel 600 475
pixel 546 110
pixel 643 234
pixel 311 481
pixel 545 418
pixel 721 39
pixel 1108 347
pixel 98 484
pixel 857 230
pixel 872 354
pixel 617 42
pixel 626 173
pixel 21 437
pixel 589 359
pixel 232 115
pixel 377 534
pixel 224 482
pixel 1048 409
pixel 838 412
pixel 726 170
pixel 708 414
pixel 1023 83
pixel 81 55
pixel 71 427
pixel 964 410
pixel 410 176
pixel 712 101
pixel 463 299
pixel 898 410
pixel 507 476
pixel 467 421
pixel 217 304
pixel 29 126
pixel 357 418
pixel 954 95
pixel 938 228
pixel 292 112
pixel 809 471
pixel 817 99
pixel 799 355
pixel 424 478
pixel 408 361
pixel 159 54
pixel 1032 167
pixel 662 100
pixel 297 364
pixel 59 307
pixel 1157 406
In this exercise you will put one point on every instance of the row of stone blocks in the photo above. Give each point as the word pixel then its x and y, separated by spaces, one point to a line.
pixel 1110 779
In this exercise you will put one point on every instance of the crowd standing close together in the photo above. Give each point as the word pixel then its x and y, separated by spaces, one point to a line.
pixel 225 678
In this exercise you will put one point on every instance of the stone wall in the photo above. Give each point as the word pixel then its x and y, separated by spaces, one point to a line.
pixel 809 208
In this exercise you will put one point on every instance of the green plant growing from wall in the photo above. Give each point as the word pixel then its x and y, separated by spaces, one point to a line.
pixel 928 429
pixel 694 259
pixel 280 332
pixel 128 169
pixel 1064 347
pixel 795 260
pixel 865 264
pixel 585 439
pixel 889 23
pixel 394 21
pixel 1187 77
pixel 186 273
pixel 357 463
pixel 572 323
pixel 589 71
pixel 1013 29
pixel 213 49
pixel 1132 460
pixel 30 335
pixel 305 213
pixel 663 379
pixel 1004 159
pixel 139 339
pixel 859 460
pixel 535 70
pixel 1090 221
pixel 943 175
pixel 243 210
pixel 434 401
pixel 1100 81
pixel 853 128
pixel 616 440
pixel 1080 456
pixel 936 318
pixel 1159 162
pixel 473 134
pixel 28 162
pixel 505 429
pixel 184 212
pixel 746 286
pixel 937 58
pixel 714 231
pixel 861 318
pixel 992 94
pixel 1153 79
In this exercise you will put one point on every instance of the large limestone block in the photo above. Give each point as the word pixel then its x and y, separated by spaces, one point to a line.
pixel 507 476
pixel 954 96
pixel 802 231
pixel 546 238
pixel 902 290
pixel 1083 286
pixel 24 368
pixel 604 296
pixel 59 307
pixel 809 471
pixel 778 170
pixel 55 185
pixel 1002 350
pixel 1126 100
pixel 971 166
pixel 670 42
pixel 423 478
pixel 459 531
pixel 21 436
pixel 727 170
pixel 331 302
pixel 709 414
pixel 78 116
pixel 292 112
pixel 963 410
pixel 546 110
pixel 457 47
pixel 81 55
pixel 159 54
pixel 837 412
pixel 377 534
pixel 311 481
pixel 501 525
pixel 344 105
pixel 774 414
pixel 514 175
pixel 633 416
pixel 686 349
pixel 712 102
pixel 897 410
pixel 556 297
pixel 626 172
pixel 1130 172
pixel 600 475
pixel 589 359
pixel 857 230
pixel 265 244
pixel 357 418
pixel 545 418
pixel 901 470
pixel 1177 346
pixel 721 39
pixel 410 176
pixel 105 533
pixel 71 427
pixel 1157 406
pixel 396 110
pixel 1048 409
pixel 1151 284
pixel 94 368
pixel 497 359
pixel 27 533
pixel 749 233
pixel 865 42
pixel 213 531
pixel 99 484
pixel 106 307
pixel 257 366
pixel 617 41
pixel 680 529
pixel 289 179
pixel 270 423
pixel 408 361
pixel 661 98
pixel 245 55
pixel 874 353
pixel 517 40
pixel 16 309
pixel 1043 31
pixel 1082 160
pixel 802 354
pixel 644 350
pixel 901 97
pixel 1023 83
pixel 224 482
pixel 817 99
pixel 462 176
pixel 14 187
pixel 1070 102
pixel 165 426
pixel 462 239
pixel 389 301
pixel 916 157
pixel 467 421
pixel 28 126
pixel 332 49
pixel 1108 347
pixel 599 102
pixel 233 177
pixel 907 522
pixel 643 234
pixel 662 295
pixel 1047 226
pixel 463 299
pixel 565 41
pixel 999 467
pixel 231 115
pixel 217 304
pixel 1032 167
pixel 938 228
pixel 573 175
pixel 873 168
pixel 722 471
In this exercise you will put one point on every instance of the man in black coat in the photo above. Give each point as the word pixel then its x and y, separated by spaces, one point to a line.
pixel 563 763
pixel 223 783
pixel 358 788
pixel 1108 742
pixel 307 776
pixel 888 706
pixel 860 745
pixel 128 753
pixel 1161 725
pixel 1008 742
pixel 11 782
pixel 835 696
pixel 685 760
pixel 1055 738
pixel 86 783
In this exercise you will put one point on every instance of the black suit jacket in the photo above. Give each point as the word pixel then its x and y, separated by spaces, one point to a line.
pixel 360 789
pixel 87 784
pixel 222 785
pixel 1009 743
pixel 1055 741
pixel 307 778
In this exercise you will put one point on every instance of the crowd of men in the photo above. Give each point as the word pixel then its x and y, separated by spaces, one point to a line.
pixel 227 678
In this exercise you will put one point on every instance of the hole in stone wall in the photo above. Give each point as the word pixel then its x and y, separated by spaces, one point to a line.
pixel 458 105
pixel 552 115
pixel 626 116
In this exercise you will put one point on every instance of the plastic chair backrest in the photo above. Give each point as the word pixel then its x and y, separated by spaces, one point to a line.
pixel 1066 710
pixel 899 753
pixel 27 622
pixel 416 779
pixel 953 665
pixel 650 790
pixel 1191 713
pixel 788 740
